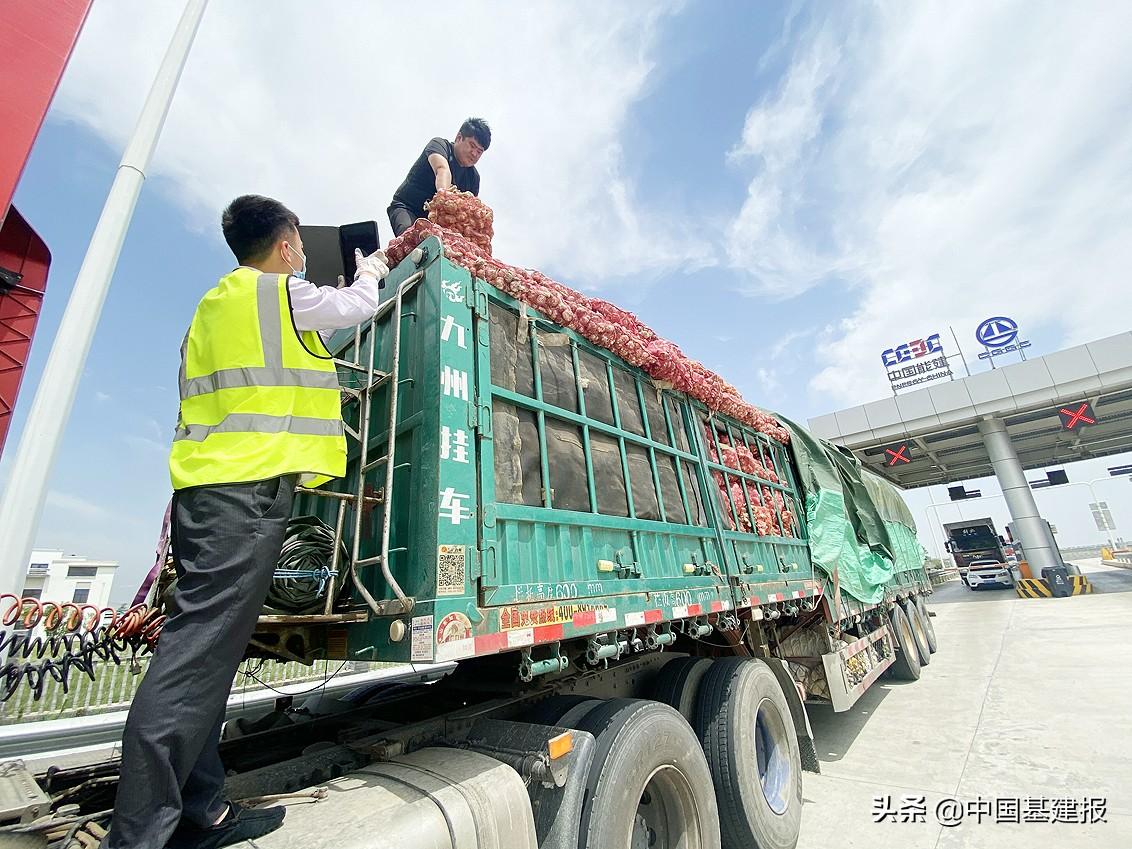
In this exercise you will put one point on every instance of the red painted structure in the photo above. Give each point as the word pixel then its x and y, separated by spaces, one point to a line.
pixel 36 41
pixel 23 258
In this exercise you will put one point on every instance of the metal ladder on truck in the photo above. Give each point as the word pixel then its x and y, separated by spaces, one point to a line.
pixel 369 380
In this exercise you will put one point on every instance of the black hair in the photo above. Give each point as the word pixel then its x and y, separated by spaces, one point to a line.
pixel 478 129
pixel 253 223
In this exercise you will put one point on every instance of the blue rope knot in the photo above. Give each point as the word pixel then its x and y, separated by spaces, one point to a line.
pixel 324 574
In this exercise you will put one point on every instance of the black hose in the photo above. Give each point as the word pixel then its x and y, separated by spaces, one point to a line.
pixel 308 548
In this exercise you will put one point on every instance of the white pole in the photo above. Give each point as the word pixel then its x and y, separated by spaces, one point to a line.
pixel 22 501
pixel 1107 534
pixel 934 528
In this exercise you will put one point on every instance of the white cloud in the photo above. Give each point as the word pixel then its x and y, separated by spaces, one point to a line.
pixel 326 106
pixel 143 443
pixel 779 348
pixel 777 136
pixel 101 397
pixel 768 380
pixel 77 505
pixel 153 439
pixel 945 162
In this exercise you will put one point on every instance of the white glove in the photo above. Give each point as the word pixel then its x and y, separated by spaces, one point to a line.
pixel 375 265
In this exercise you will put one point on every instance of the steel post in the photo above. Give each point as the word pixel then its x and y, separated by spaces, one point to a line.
pixel 1036 538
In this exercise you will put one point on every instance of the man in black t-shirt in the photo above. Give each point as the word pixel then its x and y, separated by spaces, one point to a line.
pixel 443 165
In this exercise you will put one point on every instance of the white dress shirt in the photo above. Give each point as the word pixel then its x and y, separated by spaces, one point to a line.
pixel 326 308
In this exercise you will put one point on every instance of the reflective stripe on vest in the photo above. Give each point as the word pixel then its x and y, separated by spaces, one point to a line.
pixel 245 421
pixel 254 423
pixel 272 373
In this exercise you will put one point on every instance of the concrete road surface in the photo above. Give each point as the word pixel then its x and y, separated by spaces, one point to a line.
pixel 1026 699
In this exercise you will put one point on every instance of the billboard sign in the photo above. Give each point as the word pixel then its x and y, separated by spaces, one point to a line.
pixel 916 362
pixel 999 335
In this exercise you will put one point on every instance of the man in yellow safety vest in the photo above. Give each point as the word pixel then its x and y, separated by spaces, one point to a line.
pixel 260 413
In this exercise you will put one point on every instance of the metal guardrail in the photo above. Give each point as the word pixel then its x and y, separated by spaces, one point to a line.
pixel 942 576
pixel 114 686
pixel 36 739
pixel 1121 557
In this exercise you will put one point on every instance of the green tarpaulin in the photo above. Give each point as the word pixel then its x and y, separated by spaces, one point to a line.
pixel 858 523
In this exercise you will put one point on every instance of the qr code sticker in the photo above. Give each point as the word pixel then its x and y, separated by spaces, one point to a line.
pixel 450 569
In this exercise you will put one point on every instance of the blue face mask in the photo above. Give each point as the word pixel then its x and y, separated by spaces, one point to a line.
pixel 300 274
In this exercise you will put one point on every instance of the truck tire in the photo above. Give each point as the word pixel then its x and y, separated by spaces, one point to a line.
pixel 554 710
pixel 929 627
pixel 678 683
pixel 919 630
pixel 744 724
pixel 907 665
pixel 649 784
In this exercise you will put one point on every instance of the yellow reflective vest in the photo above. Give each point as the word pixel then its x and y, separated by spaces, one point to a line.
pixel 259 399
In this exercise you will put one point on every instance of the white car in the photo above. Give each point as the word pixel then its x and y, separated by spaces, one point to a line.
pixel 988 573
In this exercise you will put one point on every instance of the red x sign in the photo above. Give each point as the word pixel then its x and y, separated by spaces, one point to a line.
pixel 897 454
pixel 1076 416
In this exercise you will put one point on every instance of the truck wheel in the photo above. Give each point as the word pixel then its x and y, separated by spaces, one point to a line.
pixel 919 630
pixel 907 665
pixel 744 723
pixel 678 683
pixel 649 785
pixel 929 627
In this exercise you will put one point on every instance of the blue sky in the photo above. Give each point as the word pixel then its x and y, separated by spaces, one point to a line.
pixel 782 189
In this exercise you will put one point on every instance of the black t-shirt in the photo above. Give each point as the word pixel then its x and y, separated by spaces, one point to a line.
pixel 420 184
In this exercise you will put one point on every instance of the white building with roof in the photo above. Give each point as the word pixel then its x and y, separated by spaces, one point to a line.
pixel 55 576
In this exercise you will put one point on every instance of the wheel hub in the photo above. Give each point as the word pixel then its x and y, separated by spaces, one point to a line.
pixel 666 816
pixel 772 750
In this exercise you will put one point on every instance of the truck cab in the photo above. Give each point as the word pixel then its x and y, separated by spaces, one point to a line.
pixel 971 541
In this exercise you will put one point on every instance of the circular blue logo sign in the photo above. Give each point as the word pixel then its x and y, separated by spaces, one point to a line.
pixel 998 331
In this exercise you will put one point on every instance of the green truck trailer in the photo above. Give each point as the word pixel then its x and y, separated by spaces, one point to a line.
pixel 629 664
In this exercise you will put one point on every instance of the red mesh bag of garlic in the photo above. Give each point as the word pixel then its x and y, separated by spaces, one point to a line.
pixel 464 213
pixel 766 504
pixel 465 225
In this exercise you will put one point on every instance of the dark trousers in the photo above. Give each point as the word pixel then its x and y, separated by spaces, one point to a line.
pixel 401 218
pixel 226 542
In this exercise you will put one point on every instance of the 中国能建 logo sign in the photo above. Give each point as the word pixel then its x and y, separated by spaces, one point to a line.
pixel 916 362
pixel 999 335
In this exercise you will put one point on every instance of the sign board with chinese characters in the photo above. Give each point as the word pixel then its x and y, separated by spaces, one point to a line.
pixel 456 496
pixel 915 363
pixel 950 812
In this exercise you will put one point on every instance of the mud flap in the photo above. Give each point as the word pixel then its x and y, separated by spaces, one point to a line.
pixel 805 734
